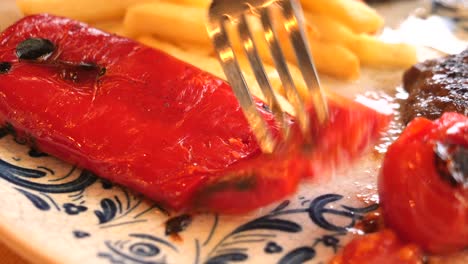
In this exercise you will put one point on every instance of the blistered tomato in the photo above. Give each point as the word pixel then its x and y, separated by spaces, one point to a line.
pixel 423 185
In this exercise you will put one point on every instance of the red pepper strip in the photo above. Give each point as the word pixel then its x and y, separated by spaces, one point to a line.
pixel 351 129
pixel 420 200
pixel 153 123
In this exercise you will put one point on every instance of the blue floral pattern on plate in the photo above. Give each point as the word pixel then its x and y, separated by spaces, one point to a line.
pixel 46 185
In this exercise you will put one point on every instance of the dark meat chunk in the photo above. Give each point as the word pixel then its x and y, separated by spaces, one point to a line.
pixel 436 86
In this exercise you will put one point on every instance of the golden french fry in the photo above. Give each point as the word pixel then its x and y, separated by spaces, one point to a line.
pixel 169 21
pixel 199 3
pixel 375 53
pixel 162 45
pixel 358 16
pixel 370 50
pixel 83 10
pixel 206 50
pixel 114 27
pixel 163 20
pixel 331 30
pixel 334 59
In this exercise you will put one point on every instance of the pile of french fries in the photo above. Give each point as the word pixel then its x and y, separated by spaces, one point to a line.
pixel 340 32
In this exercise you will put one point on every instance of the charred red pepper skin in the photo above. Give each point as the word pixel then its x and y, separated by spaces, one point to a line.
pixel 151 122
pixel 417 202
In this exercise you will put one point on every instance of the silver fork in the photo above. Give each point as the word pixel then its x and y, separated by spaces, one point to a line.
pixel 224 12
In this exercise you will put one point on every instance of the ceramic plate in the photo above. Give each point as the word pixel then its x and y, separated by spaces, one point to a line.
pixel 53 212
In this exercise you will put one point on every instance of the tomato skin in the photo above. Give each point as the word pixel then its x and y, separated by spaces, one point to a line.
pixel 382 247
pixel 416 201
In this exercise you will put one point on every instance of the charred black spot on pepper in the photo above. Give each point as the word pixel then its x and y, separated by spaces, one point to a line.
pixel 178 224
pixel 5 67
pixel 245 183
pixel 68 74
pixel 102 71
pixel 9 129
pixel 35 49
pixel 266 108
pixel 90 66
pixel 80 72
pixel 451 162
pixel 35 153
pixel 3 132
pixel 242 182
pixel 20 138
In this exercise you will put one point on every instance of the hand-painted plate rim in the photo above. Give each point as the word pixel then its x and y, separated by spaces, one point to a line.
pixel 20 245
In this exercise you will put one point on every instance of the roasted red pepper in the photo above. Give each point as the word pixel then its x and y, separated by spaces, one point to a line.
pixel 143 119
pixel 423 184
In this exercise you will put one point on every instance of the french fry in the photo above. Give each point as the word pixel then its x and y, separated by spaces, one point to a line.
pixel 370 50
pixel 199 3
pixel 165 21
pixel 356 15
pixel 162 20
pixel 206 50
pixel 113 26
pixel 83 10
pixel 333 59
pixel 331 30
pixel 375 53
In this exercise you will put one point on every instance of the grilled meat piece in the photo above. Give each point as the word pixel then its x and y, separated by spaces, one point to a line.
pixel 436 86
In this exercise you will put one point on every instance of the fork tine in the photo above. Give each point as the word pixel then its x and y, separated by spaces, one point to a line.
pixel 280 64
pixel 239 86
pixel 294 18
pixel 257 66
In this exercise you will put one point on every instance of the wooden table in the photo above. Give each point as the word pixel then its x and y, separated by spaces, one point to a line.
pixel 9 257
